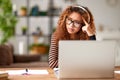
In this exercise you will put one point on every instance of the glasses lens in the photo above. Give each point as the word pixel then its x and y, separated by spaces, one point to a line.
pixel 69 21
pixel 76 24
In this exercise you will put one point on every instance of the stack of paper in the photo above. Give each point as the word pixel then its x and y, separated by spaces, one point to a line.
pixel 3 75
pixel 118 72
pixel 56 71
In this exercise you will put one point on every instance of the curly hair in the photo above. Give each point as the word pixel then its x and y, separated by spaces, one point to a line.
pixel 61 31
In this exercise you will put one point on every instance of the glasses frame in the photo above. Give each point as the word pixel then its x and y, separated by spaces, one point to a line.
pixel 76 23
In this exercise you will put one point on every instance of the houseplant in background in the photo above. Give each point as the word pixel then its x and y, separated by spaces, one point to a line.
pixel 24 30
pixel 23 11
pixel 39 48
pixel 7 20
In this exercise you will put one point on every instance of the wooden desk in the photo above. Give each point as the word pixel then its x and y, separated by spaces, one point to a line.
pixel 49 76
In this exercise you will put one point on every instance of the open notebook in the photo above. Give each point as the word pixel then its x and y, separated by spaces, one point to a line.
pixel 26 72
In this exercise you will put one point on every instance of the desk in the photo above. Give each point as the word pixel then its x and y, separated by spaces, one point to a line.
pixel 49 76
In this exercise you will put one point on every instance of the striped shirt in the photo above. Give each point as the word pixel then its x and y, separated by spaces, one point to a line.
pixel 53 53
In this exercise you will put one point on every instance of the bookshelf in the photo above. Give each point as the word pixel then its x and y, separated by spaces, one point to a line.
pixel 35 25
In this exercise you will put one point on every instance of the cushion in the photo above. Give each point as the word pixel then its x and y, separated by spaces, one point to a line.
pixel 6 56
pixel 26 58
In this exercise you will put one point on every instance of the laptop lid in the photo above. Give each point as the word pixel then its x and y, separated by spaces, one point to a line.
pixel 86 59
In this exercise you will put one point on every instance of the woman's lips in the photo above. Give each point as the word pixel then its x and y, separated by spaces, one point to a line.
pixel 71 29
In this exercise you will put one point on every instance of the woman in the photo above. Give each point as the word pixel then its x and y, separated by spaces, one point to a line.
pixel 75 23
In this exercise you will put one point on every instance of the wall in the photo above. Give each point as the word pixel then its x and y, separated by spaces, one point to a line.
pixel 103 13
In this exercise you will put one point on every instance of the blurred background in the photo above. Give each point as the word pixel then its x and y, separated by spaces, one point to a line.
pixel 37 20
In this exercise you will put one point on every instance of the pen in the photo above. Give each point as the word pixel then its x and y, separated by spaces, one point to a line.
pixel 26 70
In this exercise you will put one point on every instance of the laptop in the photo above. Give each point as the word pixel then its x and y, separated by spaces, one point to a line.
pixel 86 59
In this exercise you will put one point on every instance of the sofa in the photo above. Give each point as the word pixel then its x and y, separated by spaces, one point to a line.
pixel 9 60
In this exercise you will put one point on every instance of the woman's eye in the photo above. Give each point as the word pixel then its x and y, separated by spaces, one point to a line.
pixel 77 22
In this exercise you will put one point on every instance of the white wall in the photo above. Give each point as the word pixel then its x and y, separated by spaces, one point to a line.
pixel 103 13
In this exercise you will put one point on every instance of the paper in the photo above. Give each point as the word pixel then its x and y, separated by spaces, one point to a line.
pixel 56 71
pixel 3 74
pixel 117 72
pixel 23 72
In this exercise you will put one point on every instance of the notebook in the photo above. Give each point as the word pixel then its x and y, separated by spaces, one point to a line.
pixel 86 59
pixel 3 75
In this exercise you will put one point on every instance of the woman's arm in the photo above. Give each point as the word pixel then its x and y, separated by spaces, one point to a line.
pixel 53 53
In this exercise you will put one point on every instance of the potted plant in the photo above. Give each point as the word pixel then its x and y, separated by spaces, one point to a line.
pixel 7 21
pixel 23 11
pixel 39 48
pixel 24 30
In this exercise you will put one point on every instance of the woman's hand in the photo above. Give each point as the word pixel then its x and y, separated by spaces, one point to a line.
pixel 87 28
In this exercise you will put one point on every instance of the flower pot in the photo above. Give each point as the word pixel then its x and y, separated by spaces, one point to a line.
pixel 23 12
pixel 24 32
pixel 39 50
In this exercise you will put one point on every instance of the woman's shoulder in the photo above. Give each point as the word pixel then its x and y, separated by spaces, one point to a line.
pixel 54 35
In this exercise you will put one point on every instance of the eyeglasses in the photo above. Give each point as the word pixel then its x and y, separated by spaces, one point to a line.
pixel 75 22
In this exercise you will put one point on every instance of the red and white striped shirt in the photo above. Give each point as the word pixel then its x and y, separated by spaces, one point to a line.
pixel 53 53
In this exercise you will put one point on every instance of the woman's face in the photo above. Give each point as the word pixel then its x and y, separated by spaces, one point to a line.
pixel 73 23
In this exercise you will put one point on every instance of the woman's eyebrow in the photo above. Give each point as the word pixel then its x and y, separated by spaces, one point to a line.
pixel 75 20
